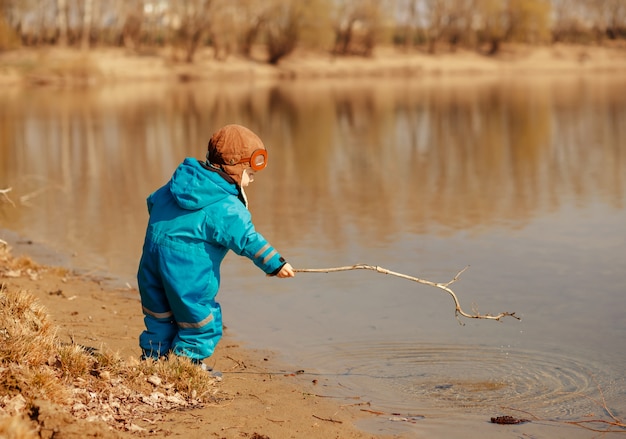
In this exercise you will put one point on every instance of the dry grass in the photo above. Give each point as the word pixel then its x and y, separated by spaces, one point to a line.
pixel 13 427
pixel 53 66
pixel 62 68
pixel 86 384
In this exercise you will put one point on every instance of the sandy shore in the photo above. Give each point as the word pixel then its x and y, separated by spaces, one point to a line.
pixel 63 67
pixel 259 397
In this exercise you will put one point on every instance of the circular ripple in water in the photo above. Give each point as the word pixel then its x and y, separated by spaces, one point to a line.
pixel 402 376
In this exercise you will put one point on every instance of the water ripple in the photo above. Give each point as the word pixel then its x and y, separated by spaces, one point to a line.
pixel 403 376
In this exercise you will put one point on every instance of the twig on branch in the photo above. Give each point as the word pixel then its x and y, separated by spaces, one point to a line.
pixel 5 197
pixel 599 425
pixel 443 286
pixel 25 199
pixel 616 425
pixel 327 419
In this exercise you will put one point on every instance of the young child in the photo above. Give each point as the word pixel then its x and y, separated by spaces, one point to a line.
pixel 195 219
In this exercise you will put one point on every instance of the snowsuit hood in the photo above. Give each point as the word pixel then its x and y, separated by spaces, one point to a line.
pixel 195 187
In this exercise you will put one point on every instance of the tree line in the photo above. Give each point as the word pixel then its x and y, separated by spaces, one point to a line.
pixel 341 27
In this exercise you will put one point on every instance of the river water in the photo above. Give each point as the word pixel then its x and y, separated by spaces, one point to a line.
pixel 521 179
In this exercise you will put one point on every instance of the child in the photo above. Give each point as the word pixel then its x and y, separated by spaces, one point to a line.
pixel 195 219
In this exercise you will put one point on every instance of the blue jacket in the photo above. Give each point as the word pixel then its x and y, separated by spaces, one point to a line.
pixel 195 219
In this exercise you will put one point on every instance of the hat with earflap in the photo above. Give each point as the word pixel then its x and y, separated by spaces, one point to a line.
pixel 234 148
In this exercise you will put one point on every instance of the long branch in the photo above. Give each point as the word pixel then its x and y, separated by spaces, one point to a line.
pixel 5 197
pixel 443 286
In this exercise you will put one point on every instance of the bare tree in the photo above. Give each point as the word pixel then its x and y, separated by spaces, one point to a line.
pixel 492 24
pixel 289 23
pixel 529 20
pixel 410 22
pixel 341 26
pixel 459 28
pixel 87 19
pixel 453 22
pixel 8 36
pixel 61 6
pixel 568 23
pixel 615 12
pixel 250 18
pixel 343 22
pixel 281 32
pixel 251 33
pixel 437 13
pixel 359 25
pixel 194 25
pixel 130 35
pixel 225 24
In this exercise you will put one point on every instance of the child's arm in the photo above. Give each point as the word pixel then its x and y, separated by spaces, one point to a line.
pixel 237 233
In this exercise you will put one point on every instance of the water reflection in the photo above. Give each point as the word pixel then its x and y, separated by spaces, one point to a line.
pixel 402 157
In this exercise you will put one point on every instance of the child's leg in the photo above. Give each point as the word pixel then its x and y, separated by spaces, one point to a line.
pixel 198 338
pixel 156 340
pixel 189 288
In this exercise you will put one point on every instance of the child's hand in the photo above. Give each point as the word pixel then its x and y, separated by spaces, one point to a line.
pixel 286 271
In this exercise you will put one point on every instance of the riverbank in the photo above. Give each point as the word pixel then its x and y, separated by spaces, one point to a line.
pixel 69 67
pixel 257 397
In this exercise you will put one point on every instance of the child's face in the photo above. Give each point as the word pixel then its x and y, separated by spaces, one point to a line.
pixel 247 177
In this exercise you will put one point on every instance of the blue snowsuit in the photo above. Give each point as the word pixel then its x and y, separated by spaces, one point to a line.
pixel 194 220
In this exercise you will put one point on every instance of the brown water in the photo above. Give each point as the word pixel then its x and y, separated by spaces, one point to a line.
pixel 522 179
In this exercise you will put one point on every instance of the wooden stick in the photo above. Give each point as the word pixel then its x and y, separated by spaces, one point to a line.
pixel 443 286
pixel 5 197
pixel 327 419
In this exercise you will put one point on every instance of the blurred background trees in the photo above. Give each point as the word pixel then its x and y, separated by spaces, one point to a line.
pixel 340 27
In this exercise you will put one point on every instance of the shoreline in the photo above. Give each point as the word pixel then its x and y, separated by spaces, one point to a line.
pixel 260 397
pixel 62 67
